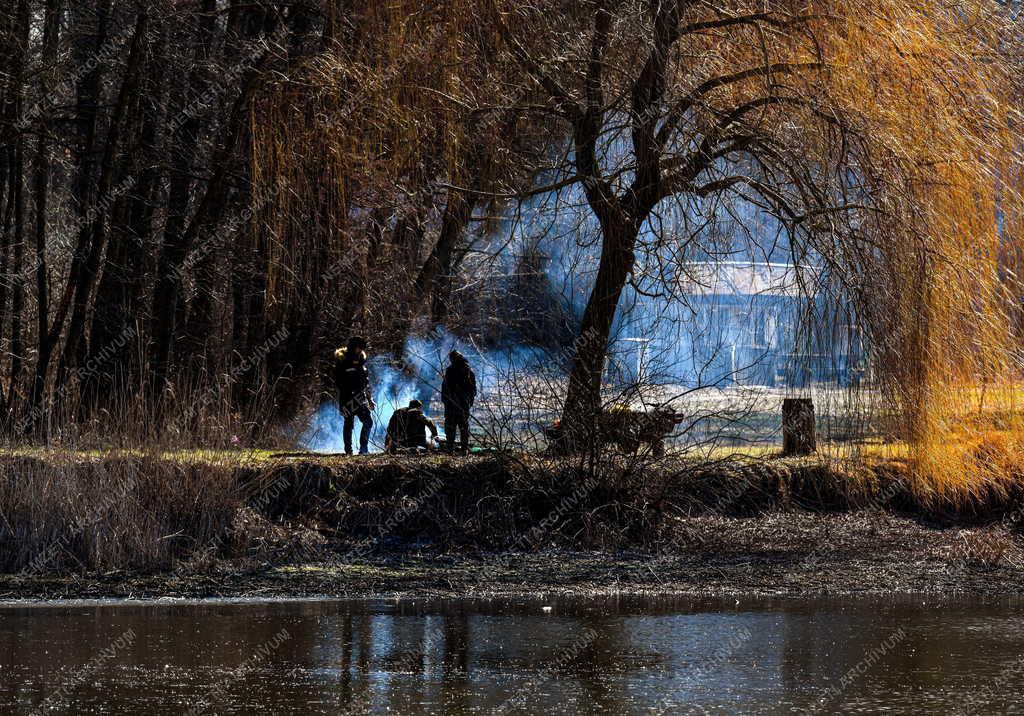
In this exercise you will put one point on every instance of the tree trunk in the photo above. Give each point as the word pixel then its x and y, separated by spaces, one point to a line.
pixel 798 432
pixel 583 397
pixel 6 231
pixel 18 284
pixel 75 349
pixel 16 244
pixel 40 191
pixel 119 294
pixel 168 281
pixel 168 308
pixel 434 280
pixel 90 21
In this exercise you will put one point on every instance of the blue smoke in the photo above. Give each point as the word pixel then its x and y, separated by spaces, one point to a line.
pixel 674 326
pixel 418 374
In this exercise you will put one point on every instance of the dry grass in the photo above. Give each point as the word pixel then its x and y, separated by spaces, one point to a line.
pixel 992 548
pixel 69 514
pixel 88 510
pixel 64 512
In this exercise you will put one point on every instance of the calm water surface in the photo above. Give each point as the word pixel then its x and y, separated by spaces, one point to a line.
pixel 614 656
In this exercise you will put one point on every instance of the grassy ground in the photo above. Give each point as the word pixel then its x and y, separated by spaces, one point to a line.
pixel 223 457
pixel 243 457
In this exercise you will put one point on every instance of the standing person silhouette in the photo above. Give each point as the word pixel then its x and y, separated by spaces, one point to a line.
pixel 352 381
pixel 458 392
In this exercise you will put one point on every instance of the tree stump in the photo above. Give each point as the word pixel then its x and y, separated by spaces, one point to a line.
pixel 798 435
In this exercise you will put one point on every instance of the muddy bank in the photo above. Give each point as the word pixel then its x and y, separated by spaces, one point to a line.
pixel 794 553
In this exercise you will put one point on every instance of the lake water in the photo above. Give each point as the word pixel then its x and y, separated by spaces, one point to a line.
pixel 614 656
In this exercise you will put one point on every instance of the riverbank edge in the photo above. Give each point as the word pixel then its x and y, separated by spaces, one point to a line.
pixel 492 526
pixel 908 559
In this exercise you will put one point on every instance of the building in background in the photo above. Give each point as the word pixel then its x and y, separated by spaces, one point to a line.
pixel 738 323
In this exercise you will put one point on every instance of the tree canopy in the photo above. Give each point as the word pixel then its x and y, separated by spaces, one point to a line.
pixel 187 185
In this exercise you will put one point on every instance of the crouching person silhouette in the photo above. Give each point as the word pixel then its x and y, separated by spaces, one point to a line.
pixel 407 429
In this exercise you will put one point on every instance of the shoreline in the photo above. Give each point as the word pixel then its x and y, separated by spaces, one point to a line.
pixel 790 554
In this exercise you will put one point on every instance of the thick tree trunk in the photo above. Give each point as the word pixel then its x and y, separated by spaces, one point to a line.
pixel 583 397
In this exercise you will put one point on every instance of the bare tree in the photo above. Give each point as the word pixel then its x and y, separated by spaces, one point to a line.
pixel 693 102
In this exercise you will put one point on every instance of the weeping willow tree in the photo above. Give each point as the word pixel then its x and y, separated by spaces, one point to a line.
pixel 376 158
pixel 880 134
pixel 935 88
pixel 332 142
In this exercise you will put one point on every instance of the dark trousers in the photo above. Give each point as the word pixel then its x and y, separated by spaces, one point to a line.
pixel 366 424
pixel 456 420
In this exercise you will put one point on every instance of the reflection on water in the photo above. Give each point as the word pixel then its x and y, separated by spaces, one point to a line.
pixel 615 656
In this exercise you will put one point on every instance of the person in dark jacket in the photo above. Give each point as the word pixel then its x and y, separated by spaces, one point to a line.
pixel 352 382
pixel 407 429
pixel 458 392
